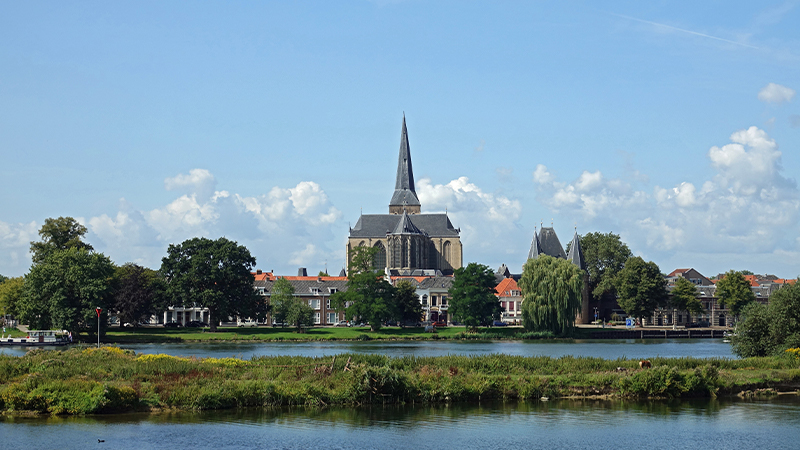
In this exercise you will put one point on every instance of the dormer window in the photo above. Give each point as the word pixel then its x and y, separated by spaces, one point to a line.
pixel 314 290
pixel 333 290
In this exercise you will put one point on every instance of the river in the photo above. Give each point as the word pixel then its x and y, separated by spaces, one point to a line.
pixel 704 424
pixel 609 349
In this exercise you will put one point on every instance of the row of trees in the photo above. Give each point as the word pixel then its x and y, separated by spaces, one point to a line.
pixel 68 280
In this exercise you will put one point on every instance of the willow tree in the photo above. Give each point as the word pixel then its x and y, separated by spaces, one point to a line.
pixel 551 290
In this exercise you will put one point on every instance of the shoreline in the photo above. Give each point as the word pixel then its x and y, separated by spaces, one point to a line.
pixel 112 380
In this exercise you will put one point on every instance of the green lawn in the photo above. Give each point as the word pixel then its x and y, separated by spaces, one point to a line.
pixel 160 334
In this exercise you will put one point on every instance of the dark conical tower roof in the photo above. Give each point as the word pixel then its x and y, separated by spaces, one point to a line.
pixel 536 248
pixel 575 255
pixel 404 193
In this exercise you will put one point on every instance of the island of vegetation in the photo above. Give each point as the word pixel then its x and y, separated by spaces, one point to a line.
pixel 110 379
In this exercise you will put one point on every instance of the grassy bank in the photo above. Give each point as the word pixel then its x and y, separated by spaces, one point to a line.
pixel 160 334
pixel 82 381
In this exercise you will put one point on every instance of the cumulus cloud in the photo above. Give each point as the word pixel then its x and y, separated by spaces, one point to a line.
pixel 284 226
pixel 15 242
pixel 776 93
pixel 746 205
pixel 488 220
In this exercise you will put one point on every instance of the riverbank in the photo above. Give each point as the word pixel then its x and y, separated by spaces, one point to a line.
pixel 108 380
pixel 264 334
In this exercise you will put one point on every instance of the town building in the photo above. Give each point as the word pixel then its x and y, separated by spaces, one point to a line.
pixel 407 240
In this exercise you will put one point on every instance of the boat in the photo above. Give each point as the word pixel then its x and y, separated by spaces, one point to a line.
pixel 38 337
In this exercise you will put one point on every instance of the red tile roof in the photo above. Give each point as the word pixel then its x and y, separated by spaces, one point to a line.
pixel 505 287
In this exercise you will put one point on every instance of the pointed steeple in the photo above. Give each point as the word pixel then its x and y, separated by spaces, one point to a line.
pixel 405 196
pixel 536 247
pixel 575 255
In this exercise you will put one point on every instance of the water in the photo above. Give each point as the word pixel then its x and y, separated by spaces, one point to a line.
pixel 609 349
pixel 705 424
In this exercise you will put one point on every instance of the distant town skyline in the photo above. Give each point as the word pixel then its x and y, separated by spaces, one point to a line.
pixel 674 125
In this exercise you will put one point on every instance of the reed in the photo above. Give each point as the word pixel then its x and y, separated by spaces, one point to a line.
pixel 109 379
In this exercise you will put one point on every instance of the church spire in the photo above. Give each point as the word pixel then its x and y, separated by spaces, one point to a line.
pixel 405 197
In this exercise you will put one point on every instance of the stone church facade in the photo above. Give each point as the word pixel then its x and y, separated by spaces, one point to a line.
pixel 408 241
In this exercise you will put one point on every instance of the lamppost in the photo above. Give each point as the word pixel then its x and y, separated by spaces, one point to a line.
pixel 595 314
pixel 98 310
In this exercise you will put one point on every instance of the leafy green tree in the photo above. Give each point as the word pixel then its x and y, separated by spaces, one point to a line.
pixel 472 296
pixel 214 275
pixel 10 294
pixel 753 336
pixel 287 308
pixel 605 255
pixel 641 287
pixel 369 296
pixel 58 234
pixel 683 297
pixel 62 291
pixel 138 293
pixel 551 289
pixel 769 329
pixel 733 291
pixel 3 278
pixel 406 301
pixel 322 273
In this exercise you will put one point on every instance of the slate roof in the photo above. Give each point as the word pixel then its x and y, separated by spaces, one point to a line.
pixel 406 226
pixel 550 244
pixel 404 192
pixel 536 247
pixel 379 225
pixel 302 285
pixel 436 282
pixel 575 255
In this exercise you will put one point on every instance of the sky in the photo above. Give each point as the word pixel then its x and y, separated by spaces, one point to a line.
pixel 675 125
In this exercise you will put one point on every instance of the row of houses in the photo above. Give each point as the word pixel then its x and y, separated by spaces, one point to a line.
pixel 433 289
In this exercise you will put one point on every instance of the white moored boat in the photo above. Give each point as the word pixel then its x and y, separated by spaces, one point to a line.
pixel 38 337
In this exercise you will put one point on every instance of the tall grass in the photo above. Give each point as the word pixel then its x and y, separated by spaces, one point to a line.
pixel 88 380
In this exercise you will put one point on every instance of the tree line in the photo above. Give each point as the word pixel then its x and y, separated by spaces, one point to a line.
pixel 69 279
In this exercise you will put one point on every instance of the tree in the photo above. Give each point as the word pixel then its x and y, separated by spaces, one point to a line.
pixel 733 291
pixel 286 308
pixel 214 275
pixel 784 314
pixel 551 289
pixel 10 294
pixel 63 290
pixel 369 296
pixel 58 234
pixel 683 297
pixel 407 305
pixel 323 273
pixel 138 293
pixel 641 287
pixel 605 255
pixel 472 297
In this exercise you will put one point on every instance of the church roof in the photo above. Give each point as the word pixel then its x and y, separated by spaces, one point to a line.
pixel 379 225
pixel 404 192
pixel 546 242
pixel 575 255
pixel 406 226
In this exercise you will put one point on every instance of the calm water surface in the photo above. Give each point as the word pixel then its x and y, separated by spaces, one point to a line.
pixel 610 349
pixel 704 424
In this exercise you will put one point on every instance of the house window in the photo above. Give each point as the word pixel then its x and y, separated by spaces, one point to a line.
pixel 315 291
pixel 425 300
pixel 316 318
pixel 328 304
pixel 314 304
pixel 260 291
pixel 444 300
pixel 332 318
pixel 333 290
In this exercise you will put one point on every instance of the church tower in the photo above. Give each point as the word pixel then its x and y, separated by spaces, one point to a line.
pixel 404 198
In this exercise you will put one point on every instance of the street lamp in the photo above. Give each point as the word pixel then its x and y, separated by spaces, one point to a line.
pixel 595 313
pixel 98 310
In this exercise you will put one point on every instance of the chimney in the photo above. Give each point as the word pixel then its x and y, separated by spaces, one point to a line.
pixel 301 272
pixel 259 272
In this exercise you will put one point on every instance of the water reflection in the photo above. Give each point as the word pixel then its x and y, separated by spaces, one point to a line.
pixel 703 423
pixel 610 349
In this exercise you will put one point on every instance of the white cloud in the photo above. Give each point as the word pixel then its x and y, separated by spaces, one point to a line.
pixel 283 226
pixel 776 93
pixel 746 206
pixel 15 241
pixel 489 222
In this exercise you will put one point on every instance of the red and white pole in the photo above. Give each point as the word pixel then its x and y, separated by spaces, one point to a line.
pixel 98 310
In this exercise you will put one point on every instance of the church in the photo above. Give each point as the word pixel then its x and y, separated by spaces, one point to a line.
pixel 409 242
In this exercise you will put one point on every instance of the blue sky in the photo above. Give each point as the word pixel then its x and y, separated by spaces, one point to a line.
pixel 673 124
